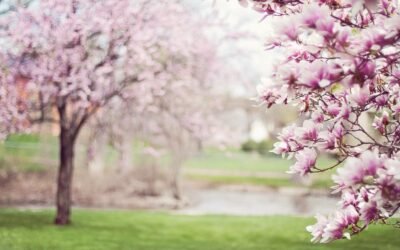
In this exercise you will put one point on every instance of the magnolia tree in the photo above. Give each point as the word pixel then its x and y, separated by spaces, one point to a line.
pixel 178 116
pixel 12 116
pixel 341 66
pixel 74 57
pixel 166 130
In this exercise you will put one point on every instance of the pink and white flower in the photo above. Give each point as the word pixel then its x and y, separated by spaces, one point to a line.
pixel 305 161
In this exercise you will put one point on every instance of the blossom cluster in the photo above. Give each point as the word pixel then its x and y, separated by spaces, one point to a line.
pixel 12 109
pixel 341 68
pixel 78 55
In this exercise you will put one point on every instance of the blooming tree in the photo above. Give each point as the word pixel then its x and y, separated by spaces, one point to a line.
pixel 12 115
pixel 74 57
pixel 341 67
pixel 182 113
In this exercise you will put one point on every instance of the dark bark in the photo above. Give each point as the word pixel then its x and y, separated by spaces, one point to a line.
pixel 176 188
pixel 64 182
pixel 176 177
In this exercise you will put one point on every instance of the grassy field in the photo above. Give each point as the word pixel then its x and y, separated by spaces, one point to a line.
pixel 31 151
pixel 34 153
pixel 323 182
pixel 105 230
pixel 37 153
pixel 28 152
pixel 236 160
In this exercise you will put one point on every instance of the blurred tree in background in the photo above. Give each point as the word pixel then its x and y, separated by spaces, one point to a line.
pixel 66 60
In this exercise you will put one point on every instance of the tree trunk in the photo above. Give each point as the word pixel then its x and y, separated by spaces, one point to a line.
pixel 176 187
pixel 176 177
pixel 64 183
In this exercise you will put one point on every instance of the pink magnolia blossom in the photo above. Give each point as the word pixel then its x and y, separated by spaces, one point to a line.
pixel 338 224
pixel 305 160
pixel 381 122
pixel 309 131
pixel 328 141
pixel 351 72
pixel 357 169
pixel 333 227
pixel 369 211
pixel 317 231
pixel 360 95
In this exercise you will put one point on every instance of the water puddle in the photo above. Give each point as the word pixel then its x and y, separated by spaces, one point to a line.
pixel 266 202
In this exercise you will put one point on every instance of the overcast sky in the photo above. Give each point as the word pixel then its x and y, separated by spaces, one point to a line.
pixel 254 61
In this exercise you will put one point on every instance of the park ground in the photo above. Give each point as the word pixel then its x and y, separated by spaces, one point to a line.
pixel 98 230
pixel 243 180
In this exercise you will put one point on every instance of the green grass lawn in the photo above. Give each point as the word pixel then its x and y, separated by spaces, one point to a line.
pixel 34 153
pixel 31 152
pixel 28 152
pixel 320 182
pixel 235 159
pixel 121 230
